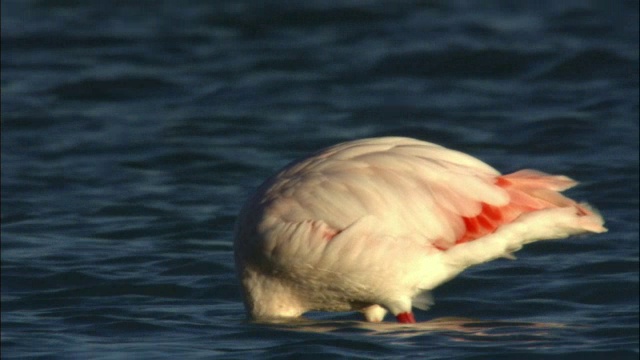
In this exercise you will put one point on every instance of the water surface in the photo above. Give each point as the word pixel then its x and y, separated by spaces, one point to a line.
pixel 132 132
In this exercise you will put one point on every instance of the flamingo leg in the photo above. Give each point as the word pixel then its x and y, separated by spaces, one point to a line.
pixel 406 318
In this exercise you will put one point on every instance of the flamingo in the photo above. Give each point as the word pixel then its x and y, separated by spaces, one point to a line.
pixel 374 225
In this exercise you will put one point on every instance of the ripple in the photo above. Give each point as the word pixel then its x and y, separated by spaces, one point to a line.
pixel 115 89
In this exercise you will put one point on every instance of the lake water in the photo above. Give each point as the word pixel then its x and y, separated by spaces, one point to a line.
pixel 132 132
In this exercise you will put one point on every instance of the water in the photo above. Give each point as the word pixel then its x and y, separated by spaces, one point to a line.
pixel 132 131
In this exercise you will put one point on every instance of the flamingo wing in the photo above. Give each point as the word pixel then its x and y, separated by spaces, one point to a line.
pixel 410 186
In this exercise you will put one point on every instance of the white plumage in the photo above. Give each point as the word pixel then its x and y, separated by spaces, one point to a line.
pixel 372 225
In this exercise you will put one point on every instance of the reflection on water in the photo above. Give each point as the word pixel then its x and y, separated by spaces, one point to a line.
pixel 459 329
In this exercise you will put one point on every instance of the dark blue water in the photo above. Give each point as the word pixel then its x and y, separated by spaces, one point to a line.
pixel 132 132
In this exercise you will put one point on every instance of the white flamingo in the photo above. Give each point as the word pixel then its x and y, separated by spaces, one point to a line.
pixel 372 225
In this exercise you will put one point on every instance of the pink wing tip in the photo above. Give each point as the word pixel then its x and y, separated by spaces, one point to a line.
pixel 591 219
pixel 538 179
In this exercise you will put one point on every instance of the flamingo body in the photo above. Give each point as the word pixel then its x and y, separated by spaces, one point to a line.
pixel 372 225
